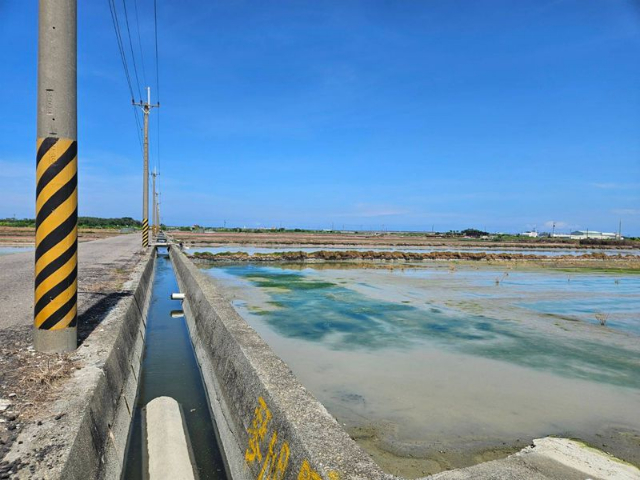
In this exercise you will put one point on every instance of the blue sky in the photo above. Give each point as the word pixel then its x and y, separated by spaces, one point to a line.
pixel 409 114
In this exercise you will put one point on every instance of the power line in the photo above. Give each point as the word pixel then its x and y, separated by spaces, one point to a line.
pixel 133 57
pixel 144 73
pixel 155 26
pixel 123 58
pixel 155 22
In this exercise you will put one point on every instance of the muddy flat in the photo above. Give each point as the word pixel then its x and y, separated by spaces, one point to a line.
pixel 274 238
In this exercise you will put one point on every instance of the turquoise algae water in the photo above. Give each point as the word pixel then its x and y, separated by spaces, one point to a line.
pixel 316 310
pixel 429 360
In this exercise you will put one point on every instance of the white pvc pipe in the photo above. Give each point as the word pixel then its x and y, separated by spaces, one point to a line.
pixel 177 296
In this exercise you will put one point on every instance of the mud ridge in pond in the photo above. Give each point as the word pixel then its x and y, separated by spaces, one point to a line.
pixel 333 255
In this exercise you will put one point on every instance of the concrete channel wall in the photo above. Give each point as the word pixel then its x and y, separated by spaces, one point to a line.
pixel 96 407
pixel 270 426
pixel 100 446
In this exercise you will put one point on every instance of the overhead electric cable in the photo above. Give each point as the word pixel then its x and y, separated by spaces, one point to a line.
pixel 133 57
pixel 155 24
pixel 116 28
pixel 123 58
pixel 144 73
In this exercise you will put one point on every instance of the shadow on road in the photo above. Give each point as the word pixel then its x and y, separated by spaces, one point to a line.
pixel 94 315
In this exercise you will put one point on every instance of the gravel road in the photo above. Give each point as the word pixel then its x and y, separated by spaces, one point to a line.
pixel 30 380
pixel 98 262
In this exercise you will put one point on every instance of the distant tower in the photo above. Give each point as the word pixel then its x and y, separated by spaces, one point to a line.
pixel 620 229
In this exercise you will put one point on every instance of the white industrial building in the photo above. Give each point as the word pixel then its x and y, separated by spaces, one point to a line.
pixel 582 234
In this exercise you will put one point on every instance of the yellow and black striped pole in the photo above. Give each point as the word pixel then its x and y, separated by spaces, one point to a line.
pixel 56 259
pixel 145 232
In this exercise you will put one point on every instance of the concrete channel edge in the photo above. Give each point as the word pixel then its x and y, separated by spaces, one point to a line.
pixel 269 425
pixel 96 407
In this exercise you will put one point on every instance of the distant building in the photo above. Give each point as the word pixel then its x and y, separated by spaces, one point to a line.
pixel 583 234
pixel 532 234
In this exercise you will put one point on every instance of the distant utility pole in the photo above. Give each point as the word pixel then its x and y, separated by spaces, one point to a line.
pixel 56 269
pixel 553 231
pixel 146 108
pixel 620 229
pixel 155 225
pixel 158 221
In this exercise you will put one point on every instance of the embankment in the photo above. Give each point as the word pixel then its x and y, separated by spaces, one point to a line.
pixel 399 256
pixel 269 424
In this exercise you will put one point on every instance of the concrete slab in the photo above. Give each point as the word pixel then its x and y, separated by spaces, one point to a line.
pixel 168 451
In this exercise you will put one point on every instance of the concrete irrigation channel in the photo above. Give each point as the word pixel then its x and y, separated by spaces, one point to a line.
pixel 189 390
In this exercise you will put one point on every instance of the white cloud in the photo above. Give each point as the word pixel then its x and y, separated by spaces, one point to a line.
pixel 615 186
pixel 627 211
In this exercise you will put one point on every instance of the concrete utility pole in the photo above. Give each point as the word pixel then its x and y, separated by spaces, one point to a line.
pixel 156 226
pixel 146 108
pixel 56 267
pixel 158 222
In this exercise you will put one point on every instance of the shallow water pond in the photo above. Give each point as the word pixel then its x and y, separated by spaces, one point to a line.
pixel 10 250
pixel 551 252
pixel 420 361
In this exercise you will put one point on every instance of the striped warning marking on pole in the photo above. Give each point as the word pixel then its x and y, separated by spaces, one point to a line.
pixel 56 272
pixel 145 232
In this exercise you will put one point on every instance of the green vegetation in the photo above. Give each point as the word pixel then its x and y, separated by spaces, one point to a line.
pixel 474 233
pixel 603 242
pixel 15 222
pixel 86 222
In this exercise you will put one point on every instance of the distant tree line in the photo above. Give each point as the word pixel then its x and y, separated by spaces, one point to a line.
pixel 86 222
pixel 607 241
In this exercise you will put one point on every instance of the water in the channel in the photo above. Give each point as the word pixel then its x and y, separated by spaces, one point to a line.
pixel 434 368
pixel 170 369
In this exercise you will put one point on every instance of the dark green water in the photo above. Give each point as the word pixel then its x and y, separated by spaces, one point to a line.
pixel 169 368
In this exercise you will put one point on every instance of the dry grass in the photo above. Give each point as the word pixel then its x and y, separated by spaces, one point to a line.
pixel 42 378
pixel 26 235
